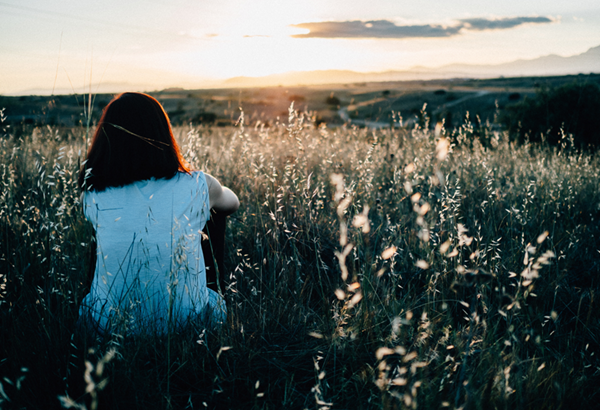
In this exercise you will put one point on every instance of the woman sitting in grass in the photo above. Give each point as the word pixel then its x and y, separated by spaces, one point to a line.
pixel 148 210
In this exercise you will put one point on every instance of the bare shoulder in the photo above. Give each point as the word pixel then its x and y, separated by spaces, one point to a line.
pixel 222 199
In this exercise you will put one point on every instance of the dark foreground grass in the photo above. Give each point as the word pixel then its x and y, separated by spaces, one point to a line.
pixel 368 269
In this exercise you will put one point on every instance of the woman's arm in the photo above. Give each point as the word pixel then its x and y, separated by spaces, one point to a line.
pixel 221 199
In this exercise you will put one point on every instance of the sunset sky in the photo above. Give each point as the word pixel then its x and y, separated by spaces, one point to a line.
pixel 153 44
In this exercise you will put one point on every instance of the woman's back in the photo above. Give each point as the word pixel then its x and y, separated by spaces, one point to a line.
pixel 150 268
pixel 148 209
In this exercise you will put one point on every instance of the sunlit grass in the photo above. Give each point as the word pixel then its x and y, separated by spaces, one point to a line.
pixel 368 269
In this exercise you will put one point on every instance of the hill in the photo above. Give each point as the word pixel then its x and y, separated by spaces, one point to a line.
pixel 588 62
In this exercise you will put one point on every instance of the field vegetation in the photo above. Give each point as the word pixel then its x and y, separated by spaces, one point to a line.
pixel 447 100
pixel 419 267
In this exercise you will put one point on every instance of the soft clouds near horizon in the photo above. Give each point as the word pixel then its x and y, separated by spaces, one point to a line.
pixel 383 29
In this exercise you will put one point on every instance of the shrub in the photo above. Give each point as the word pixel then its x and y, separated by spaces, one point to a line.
pixel 332 100
pixel 555 113
pixel 514 97
pixel 205 118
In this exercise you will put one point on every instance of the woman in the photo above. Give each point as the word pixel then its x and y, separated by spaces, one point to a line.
pixel 148 210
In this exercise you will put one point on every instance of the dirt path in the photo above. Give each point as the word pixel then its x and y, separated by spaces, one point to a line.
pixel 343 112
pixel 461 100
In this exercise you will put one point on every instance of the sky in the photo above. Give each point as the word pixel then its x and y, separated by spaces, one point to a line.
pixel 84 45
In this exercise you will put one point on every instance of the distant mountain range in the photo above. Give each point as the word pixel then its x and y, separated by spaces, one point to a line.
pixel 588 62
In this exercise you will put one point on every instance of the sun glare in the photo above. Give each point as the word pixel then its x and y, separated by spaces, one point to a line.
pixel 257 39
pixel 263 19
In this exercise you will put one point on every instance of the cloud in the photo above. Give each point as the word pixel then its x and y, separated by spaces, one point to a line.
pixel 372 29
pixel 388 29
pixel 501 24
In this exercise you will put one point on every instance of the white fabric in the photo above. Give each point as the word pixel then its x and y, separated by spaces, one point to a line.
pixel 150 271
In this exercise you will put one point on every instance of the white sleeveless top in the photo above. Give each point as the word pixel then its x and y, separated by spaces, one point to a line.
pixel 150 271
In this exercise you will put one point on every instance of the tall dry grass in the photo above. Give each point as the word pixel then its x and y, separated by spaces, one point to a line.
pixel 367 269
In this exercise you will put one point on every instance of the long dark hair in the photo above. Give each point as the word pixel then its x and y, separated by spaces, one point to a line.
pixel 133 142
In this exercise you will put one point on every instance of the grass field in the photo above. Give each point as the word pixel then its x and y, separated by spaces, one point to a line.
pixel 389 269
